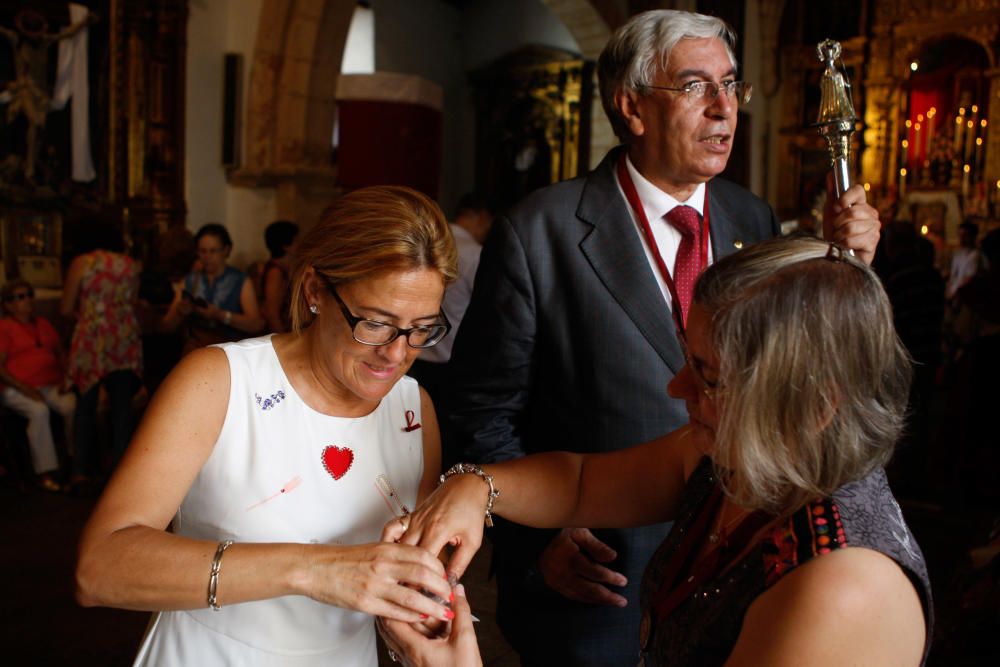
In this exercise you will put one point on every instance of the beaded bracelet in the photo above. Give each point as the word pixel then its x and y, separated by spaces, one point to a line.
pixel 471 468
pixel 213 577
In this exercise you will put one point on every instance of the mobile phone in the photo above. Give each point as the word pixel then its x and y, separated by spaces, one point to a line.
pixel 196 300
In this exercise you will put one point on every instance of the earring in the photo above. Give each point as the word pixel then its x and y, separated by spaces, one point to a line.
pixel 314 309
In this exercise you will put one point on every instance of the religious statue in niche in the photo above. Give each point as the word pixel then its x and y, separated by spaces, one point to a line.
pixel 28 94
pixel 941 158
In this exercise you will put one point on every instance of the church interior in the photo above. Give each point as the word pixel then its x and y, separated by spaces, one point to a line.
pixel 156 117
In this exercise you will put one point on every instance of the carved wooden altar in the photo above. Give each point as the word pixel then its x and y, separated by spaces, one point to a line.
pixel 532 122
pixel 136 73
pixel 888 37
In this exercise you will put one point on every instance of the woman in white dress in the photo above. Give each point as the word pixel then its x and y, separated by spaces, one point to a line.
pixel 276 461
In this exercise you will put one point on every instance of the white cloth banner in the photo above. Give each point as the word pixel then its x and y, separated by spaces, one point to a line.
pixel 72 81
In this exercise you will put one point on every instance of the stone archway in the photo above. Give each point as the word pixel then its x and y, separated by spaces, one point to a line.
pixel 290 105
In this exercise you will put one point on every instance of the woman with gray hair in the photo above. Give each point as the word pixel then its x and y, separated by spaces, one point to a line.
pixel 788 546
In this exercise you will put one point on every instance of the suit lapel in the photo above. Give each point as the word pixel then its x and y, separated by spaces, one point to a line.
pixel 616 254
pixel 727 231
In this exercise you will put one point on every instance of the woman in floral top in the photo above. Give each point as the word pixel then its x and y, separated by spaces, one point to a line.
pixel 100 291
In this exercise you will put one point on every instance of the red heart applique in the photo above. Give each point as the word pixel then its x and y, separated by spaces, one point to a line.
pixel 337 460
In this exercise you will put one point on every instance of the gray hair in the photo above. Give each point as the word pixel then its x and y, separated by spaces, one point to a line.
pixel 637 49
pixel 815 379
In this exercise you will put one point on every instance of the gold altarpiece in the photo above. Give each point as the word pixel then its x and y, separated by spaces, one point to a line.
pixel 532 121
pixel 136 88
pixel 878 60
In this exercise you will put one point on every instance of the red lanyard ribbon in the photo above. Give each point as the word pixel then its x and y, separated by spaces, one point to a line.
pixel 632 196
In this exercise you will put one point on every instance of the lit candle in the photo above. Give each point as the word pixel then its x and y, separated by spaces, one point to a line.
pixel 970 138
pixel 959 128
pixel 902 184
pixel 931 122
pixel 979 157
pixel 980 140
pixel 917 144
pixel 906 143
pixel 965 182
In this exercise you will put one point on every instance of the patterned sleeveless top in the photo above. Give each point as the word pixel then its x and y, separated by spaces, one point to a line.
pixel 702 630
pixel 107 336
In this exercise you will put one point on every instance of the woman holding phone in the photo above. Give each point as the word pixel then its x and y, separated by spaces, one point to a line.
pixel 218 303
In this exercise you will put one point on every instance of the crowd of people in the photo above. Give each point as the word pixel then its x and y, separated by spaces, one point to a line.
pixel 115 308
pixel 665 417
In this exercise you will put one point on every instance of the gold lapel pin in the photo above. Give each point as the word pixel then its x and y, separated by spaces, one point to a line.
pixel 738 244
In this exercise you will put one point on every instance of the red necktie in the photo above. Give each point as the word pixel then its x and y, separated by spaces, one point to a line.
pixel 687 221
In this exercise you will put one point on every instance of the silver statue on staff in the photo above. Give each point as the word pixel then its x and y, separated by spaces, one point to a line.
pixel 836 114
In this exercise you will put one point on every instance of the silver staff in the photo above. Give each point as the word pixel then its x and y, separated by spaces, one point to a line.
pixel 836 114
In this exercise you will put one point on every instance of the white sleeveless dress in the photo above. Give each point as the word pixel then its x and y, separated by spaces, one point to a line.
pixel 282 472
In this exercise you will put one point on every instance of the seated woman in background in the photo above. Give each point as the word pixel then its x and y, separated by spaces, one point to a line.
pixel 217 303
pixel 32 376
pixel 788 546
pixel 287 454
pixel 280 239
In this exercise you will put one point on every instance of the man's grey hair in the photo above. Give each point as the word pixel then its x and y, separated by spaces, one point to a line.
pixel 642 46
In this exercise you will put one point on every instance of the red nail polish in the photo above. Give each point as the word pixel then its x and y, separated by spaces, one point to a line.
pixel 423 617
pixel 448 614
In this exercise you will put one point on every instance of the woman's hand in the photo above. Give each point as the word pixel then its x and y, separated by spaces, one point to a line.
pixel 31 392
pixel 383 579
pixel 409 646
pixel 453 515
pixel 210 312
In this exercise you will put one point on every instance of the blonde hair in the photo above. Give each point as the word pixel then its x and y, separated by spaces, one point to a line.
pixel 815 379
pixel 370 232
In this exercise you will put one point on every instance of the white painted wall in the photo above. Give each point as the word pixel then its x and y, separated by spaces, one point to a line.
pixel 435 40
pixel 359 51
pixel 217 27
pixel 493 28
pixel 428 38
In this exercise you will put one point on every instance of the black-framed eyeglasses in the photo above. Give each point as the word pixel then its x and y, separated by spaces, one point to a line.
pixel 711 390
pixel 19 296
pixel 375 333
pixel 707 91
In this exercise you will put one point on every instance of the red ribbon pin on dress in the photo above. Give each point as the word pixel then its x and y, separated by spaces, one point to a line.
pixel 410 424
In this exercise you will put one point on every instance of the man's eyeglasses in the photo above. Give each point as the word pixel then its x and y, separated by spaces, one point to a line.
pixel 373 332
pixel 707 91
pixel 711 390
pixel 19 296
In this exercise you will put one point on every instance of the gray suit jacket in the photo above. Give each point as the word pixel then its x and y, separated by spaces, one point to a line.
pixel 568 345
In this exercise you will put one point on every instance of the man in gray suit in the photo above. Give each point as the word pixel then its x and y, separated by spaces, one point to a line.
pixel 569 341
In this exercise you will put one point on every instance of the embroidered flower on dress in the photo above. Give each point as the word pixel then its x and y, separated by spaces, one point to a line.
pixel 271 401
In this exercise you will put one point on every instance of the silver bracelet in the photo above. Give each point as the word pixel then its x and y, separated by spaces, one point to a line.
pixel 213 578
pixel 471 468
